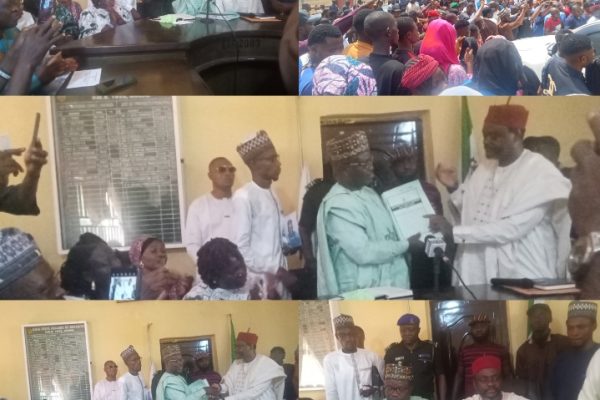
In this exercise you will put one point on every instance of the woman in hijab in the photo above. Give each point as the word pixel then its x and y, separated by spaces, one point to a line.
pixel 149 255
pixel 440 43
pixel 223 274
pixel 343 76
pixel 498 69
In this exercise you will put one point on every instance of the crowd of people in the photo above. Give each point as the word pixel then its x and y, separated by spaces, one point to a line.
pixel 547 365
pixel 445 48
pixel 30 29
pixel 250 376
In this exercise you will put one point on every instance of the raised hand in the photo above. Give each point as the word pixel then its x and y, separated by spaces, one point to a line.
pixel 447 177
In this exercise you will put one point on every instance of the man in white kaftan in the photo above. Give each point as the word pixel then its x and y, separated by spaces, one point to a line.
pixel 514 221
pixel 109 388
pixel 349 370
pixel 358 246
pixel 591 385
pixel 252 376
pixel 132 382
pixel 259 216
pixel 211 216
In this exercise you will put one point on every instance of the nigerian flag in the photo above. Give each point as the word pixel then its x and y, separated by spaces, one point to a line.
pixel 468 143
pixel 233 339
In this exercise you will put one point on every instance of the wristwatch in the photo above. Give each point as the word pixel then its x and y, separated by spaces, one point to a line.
pixel 583 251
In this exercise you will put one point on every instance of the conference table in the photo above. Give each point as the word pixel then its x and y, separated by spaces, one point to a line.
pixel 197 58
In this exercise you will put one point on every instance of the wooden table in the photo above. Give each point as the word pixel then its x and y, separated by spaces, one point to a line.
pixel 194 59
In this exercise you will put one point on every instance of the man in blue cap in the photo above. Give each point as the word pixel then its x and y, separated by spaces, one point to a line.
pixel 421 356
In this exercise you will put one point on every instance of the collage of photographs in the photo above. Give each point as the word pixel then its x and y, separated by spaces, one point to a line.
pixel 183 216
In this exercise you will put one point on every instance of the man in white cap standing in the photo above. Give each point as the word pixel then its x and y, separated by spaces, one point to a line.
pixel 132 381
pixel 349 371
pixel 259 217
pixel 568 372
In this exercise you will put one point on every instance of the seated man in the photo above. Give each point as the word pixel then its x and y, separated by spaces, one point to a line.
pixel 398 383
pixel 172 386
pixel 24 273
pixel 487 373
pixel 22 65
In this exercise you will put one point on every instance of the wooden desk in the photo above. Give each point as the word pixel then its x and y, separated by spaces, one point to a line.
pixel 196 58
pixel 482 292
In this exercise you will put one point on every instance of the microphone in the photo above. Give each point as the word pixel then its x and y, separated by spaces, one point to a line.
pixel 435 246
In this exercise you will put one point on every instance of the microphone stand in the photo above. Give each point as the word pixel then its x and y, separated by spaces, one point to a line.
pixel 437 266
pixel 207 19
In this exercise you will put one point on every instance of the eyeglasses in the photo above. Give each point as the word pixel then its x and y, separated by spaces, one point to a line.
pixel 222 170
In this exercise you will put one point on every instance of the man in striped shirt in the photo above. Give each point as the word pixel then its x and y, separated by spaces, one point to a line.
pixel 482 346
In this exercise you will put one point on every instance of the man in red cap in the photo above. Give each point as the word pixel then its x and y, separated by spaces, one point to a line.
pixel 513 220
pixel 487 371
pixel 251 376
pixel 483 345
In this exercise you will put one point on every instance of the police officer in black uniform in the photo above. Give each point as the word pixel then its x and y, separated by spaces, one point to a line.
pixel 420 356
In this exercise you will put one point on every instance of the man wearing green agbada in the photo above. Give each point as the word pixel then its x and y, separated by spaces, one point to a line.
pixel 358 246
pixel 172 386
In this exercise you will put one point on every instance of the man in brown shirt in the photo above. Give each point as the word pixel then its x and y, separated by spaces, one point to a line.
pixel 536 355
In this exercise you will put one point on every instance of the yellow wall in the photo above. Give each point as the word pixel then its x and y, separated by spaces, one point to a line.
pixel 113 326
pixel 213 126
pixel 210 127
pixel 517 321
pixel 378 319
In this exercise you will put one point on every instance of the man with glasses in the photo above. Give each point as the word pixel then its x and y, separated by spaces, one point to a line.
pixel 211 216
pixel 259 218
pixel 172 385
pixel 358 244
pixel 109 388
pixel 487 372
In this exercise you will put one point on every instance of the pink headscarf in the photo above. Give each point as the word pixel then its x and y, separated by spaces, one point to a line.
pixel 440 43
pixel 135 251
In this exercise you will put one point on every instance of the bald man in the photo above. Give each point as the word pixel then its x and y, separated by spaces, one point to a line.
pixel 109 388
pixel 211 216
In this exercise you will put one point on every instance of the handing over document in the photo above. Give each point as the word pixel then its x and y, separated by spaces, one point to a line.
pixel 408 205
